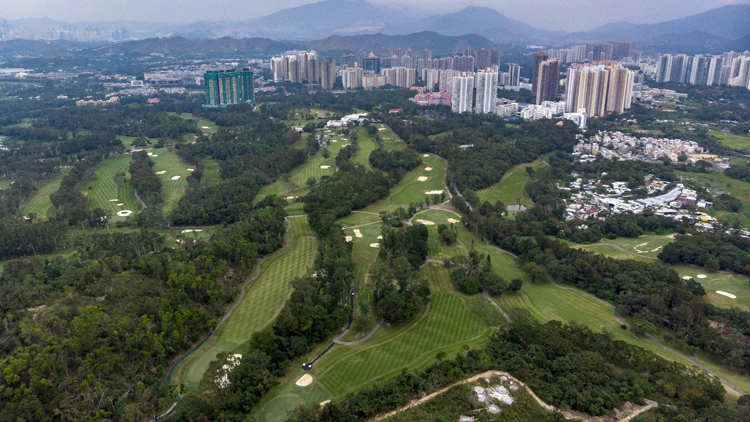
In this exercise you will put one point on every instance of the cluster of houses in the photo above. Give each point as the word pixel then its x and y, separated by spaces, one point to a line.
pixel 624 147
pixel 586 202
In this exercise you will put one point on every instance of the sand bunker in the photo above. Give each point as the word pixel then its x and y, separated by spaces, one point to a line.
pixel 422 178
pixel 325 403
pixel 199 230
pixel 325 167
pixel 687 277
pixel 205 127
pixel 453 220
pixel 124 213
pixel 426 155
pixel 304 380
pixel 119 205
pixel 426 222
pixel 723 293
pixel 190 169
pixel 428 169
pixel 333 140
pixel 154 155
pixel 161 172
pixel 113 200
pixel 381 128
pixel 186 231
pixel 290 198
pixel 702 276
pixel 433 192
pixel 348 238
pixel 374 245
pixel 357 233
pixel 380 237
pixel 175 177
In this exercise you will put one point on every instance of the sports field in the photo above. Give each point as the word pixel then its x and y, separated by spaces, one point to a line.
pixel 171 190
pixel 40 204
pixel 104 187
pixel 737 142
pixel 511 189
pixel 263 300
pixel 410 190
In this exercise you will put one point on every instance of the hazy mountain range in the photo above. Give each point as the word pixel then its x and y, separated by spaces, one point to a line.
pixel 341 24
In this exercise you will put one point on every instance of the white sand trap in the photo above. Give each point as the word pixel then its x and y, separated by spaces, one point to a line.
pixel 357 233
pixel 161 172
pixel 426 222
pixel 290 198
pixel 687 277
pixel 154 155
pixel 150 154
pixel 422 178
pixel 723 293
pixel 654 250
pixel 325 167
pixel 119 205
pixel 325 403
pixel 113 200
pixel 381 128
pixel 380 237
pixel 453 220
pixel 199 230
pixel 124 213
pixel 433 192
pixel 175 177
pixel 205 127
pixel 304 380
pixel 428 169
pixel 425 155
pixel 333 140
pixel 186 231
pixel 702 276
pixel 374 245
pixel 190 169
pixel 348 238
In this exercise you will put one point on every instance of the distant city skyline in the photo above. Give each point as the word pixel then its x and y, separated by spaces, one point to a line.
pixel 564 15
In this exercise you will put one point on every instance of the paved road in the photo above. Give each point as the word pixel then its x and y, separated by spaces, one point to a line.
pixel 622 321
pixel 350 343
pixel 486 296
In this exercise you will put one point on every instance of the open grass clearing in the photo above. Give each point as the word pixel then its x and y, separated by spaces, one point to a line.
pixel 737 142
pixel 171 190
pixel 204 125
pixel 613 252
pixel 647 244
pixel 263 300
pixel 211 176
pixel 105 186
pixel 5 184
pixel 409 190
pixel 40 204
pixel 511 189
pixel 357 218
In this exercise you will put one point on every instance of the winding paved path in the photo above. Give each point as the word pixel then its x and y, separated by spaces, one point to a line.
pixel 486 296
pixel 350 343
pixel 622 321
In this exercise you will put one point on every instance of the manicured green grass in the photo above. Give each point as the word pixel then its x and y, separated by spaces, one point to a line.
pixel 365 256
pixel 171 190
pixel 311 168
pixel 40 204
pixel 733 141
pixel 649 245
pixel 295 209
pixel 204 125
pixel 615 253
pixel 719 182
pixel 300 120
pixel 366 146
pixel 211 176
pixel 357 218
pixel 264 298
pixel 738 285
pixel 391 141
pixel 409 190
pixel 512 187
pixel 127 141
pixel 104 186
pixel 5 184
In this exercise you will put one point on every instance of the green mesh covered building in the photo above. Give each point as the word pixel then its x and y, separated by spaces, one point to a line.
pixel 228 87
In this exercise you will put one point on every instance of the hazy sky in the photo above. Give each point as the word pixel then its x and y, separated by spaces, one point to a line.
pixel 551 14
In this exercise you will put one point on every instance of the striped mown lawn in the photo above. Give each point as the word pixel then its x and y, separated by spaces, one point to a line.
pixel 264 298
pixel 410 190
pixel 391 141
pixel 357 218
pixel 366 146
pixel 40 204
pixel 104 186
pixel 446 325
pixel 511 187
pixel 171 190
pixel 211 176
